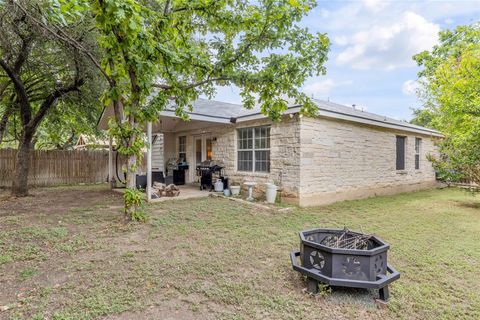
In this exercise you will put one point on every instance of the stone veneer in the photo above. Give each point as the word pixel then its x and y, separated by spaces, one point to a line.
pixel 319 160
pixel 343 160
pixel 284 154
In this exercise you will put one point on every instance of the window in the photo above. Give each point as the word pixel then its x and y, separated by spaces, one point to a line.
pixel 182 148
pixel 209 149
pixel 198 150
pixel 400 163
pixel 254 149
pixel 418 144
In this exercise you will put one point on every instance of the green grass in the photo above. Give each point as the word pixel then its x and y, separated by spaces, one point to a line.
pixel 218 258
pixel 27 273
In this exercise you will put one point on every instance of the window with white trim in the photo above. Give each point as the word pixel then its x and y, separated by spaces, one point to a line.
pixel 418 145
pixel 182 148
pixel 253 149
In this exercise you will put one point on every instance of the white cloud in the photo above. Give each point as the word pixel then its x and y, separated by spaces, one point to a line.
pixel 389 45
pixel 322 88
pixel 410 87
pixel 324 13
pixel 340 40
pixel 448 21
pixel 375 5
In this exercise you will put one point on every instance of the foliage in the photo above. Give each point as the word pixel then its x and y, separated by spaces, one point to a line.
pixel 450 79
pixel 49 64
pixel 134 205
pixel 38 72
pixel 163 52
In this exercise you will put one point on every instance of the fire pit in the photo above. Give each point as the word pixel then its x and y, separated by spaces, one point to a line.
pixel 344 258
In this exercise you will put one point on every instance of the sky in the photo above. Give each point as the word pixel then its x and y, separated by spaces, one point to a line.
pixel 372 43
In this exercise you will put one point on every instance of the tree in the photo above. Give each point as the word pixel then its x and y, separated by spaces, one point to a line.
pixel 36 72
pixel 450 93
pixel 157 52
pixel 74 115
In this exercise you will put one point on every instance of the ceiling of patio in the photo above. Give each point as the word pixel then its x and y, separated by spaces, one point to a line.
pixel 168 122
pixel 174 124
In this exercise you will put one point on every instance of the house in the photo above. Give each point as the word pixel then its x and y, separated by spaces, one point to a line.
pixel 342 153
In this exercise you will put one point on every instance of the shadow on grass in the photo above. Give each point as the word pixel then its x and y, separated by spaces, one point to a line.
pixel 468 204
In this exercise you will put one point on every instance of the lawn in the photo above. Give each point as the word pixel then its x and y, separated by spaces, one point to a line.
pixel 66 254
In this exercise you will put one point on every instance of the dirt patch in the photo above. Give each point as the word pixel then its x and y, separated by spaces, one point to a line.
pixel 56 200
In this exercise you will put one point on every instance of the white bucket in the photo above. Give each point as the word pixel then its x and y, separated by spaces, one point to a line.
pixel 235 190
pixel 271 192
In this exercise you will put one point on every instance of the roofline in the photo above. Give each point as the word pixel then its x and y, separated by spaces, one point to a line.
pixel 296 108
pixel 384 123
pixel 349 117
pixel 101 116
pixel 198 116
pixel 375 122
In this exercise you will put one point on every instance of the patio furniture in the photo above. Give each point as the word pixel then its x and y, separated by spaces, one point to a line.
pixel 250 185
pixel 179 177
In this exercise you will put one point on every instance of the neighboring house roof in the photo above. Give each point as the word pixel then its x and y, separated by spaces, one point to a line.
pixel 223 112
pixel 91 142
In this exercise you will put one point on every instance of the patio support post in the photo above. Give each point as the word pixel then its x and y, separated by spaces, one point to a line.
pixel 149 161
pixel 110 162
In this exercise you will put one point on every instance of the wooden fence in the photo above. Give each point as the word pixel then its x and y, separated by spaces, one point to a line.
pixel 56 167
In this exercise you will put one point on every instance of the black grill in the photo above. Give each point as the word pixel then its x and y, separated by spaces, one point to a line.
pixel 207 171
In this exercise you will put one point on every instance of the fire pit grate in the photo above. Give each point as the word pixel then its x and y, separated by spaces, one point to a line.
pixel 349 240
pixel 344 258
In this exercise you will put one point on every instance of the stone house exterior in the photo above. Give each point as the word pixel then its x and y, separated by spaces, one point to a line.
pixel 340 154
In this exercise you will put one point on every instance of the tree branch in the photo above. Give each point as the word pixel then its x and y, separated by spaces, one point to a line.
pixel 61 35
pixel 191 85
pixel 51 100
pixel 21 92
pixel 6 114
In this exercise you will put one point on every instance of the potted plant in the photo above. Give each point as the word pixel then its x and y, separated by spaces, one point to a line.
pixel 235 189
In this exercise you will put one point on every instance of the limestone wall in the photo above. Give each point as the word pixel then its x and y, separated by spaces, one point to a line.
pixel 344 160
pixel 284 153
pixel 317 161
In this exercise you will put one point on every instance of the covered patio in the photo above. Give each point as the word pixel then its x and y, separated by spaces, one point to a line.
pixel 176 148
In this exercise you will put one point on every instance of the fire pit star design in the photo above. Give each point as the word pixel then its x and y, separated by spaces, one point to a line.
pixel 344 258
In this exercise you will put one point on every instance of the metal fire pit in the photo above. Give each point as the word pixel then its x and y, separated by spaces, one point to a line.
pixel 322 260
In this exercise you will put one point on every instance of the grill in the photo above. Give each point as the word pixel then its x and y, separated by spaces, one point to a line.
pixel 344 258
pixel 207 170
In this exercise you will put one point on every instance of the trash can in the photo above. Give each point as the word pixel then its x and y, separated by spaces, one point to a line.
pixel 271 192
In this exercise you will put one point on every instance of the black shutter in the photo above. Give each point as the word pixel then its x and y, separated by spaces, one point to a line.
pixel 400 153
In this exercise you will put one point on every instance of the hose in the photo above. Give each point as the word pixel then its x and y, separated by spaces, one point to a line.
pixel 116 171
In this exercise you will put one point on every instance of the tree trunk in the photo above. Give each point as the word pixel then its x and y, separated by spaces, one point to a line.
pixel 131 173
pixel 130 184
pixel 22 163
